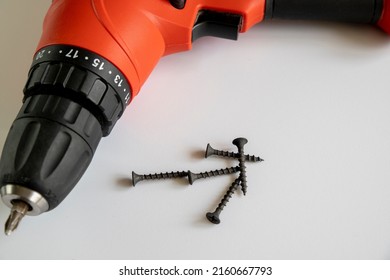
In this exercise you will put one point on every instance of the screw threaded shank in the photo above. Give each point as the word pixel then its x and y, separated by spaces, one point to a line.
pixel 243 175
pixel 252 158
pixel 213 217
pixel 192 177
pixel 228 194
pixel 210 151
pixel 158 176
pixel 240 142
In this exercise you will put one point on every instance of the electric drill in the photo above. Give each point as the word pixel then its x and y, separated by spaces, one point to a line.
pixel 91 61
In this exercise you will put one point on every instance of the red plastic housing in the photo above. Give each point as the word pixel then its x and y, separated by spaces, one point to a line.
pixel 135 34
pixel 384 21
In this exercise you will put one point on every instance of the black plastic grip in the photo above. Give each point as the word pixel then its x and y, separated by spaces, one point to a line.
pixel 357 11
pixel 49 146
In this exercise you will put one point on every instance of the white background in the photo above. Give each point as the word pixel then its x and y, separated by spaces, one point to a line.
pixel 311 98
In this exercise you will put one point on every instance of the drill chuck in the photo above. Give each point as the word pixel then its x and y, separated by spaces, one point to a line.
pixel 49 146
pixel 36 202
pixel 72 99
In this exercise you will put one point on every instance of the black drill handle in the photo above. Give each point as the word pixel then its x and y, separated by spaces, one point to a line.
pixel 356 11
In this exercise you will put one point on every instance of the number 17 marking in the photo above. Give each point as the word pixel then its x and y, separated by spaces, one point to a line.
pixel 72 54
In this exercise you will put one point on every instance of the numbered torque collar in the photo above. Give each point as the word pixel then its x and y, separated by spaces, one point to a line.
pixel 81 76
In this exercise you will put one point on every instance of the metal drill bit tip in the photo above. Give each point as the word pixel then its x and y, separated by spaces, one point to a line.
pixel 18 211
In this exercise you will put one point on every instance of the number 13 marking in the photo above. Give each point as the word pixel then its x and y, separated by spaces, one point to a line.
pixel 118 80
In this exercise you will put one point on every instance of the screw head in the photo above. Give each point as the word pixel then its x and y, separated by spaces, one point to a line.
pixel 209 151
pixel 240 142
pixel 191 177
pixel 213 217
pixel 135 178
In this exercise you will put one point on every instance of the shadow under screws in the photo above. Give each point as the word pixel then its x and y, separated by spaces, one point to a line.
pixel 124 182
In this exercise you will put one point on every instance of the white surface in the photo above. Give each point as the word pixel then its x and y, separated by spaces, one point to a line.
pixel 311 98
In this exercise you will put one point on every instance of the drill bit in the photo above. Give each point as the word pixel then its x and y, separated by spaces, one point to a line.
pixel 19 209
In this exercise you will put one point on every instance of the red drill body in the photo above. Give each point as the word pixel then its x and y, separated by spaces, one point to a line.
pixel 135 34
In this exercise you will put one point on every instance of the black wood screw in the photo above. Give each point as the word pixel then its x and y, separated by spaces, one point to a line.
pixel 240 142
pixel 192 177
pixel 158 176
pixel 210 151
pixel 213 217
